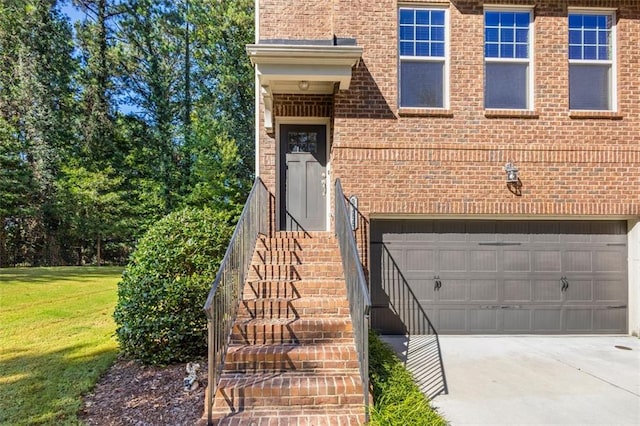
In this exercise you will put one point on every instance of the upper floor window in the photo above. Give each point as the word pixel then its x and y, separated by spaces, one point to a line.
pixel 507 57
pixel 423 57
pixel 591 63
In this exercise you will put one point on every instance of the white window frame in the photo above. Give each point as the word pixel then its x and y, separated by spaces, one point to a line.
pixel 530 90
pixel 613 84
pixel 445 59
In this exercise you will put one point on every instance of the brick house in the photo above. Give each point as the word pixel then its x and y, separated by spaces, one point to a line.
pixel 489 150
pixel 420 107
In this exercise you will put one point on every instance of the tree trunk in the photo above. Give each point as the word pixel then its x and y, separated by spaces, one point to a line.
pixel 99 251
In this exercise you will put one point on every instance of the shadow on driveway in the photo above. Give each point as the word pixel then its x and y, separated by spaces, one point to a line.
pixel 537 380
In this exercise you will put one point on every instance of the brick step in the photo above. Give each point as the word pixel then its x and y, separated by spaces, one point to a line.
pixel 238 391
pixel 293 244
pixel 332 270
pixel 294 288
pixel 345 416
pixel 293 331
pixel 293 308
pixel 296 257
pixel 287 357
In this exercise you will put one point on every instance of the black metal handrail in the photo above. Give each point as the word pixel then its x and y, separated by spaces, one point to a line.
pixel 226 292
pixel 357 290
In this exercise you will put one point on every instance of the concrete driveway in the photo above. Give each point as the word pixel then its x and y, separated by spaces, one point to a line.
pixel 511 380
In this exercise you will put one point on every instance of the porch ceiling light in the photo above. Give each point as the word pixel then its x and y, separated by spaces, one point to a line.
pixel 303 85
pixel 512 172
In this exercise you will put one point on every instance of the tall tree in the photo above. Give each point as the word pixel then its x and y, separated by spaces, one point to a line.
pixel 36 103
pixel 93 204
pixel 223 111
pixel 96 81
pixel 152 58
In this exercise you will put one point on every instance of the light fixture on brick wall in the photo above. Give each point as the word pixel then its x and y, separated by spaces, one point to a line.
pixel 303 85
pixel 512 173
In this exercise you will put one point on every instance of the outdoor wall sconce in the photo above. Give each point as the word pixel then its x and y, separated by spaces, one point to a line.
pixel 513 179
pixel 512 173
pixel 303 85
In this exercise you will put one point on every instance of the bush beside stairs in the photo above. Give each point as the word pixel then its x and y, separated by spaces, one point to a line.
pixel 292 358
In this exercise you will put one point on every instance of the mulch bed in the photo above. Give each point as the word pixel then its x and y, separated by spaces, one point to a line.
pixel 133 394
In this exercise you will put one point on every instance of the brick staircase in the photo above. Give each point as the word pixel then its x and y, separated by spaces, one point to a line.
pixel 292 358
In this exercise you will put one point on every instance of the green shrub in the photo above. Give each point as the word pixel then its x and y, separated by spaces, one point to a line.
pixel 159 313
pixel 397 400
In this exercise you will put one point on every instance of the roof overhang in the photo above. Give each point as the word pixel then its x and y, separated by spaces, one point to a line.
pixel 301 69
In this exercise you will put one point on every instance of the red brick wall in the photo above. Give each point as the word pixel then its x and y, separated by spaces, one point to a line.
pixel 451 162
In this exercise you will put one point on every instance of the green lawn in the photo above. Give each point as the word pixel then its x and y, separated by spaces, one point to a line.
pixel 56 339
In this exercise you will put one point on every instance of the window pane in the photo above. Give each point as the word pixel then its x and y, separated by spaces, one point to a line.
pixel 505 86
pixel 422 49
pixel 437 49
pixel 522 51
pixel 437 33
pixel 522 36
pixel 522 20
pixel 506 51
pixel 491 19
pixel 406 33
pixel 506 35
pixel 575 21
pixel 590 52
pixel 491 34
pixel 422 17
pixel 422 84
pixel 603 53
pixel 575 52
pixel 507 19
pixel 603 37
pixel 590 21
pixel 406 16
pixel 491 50
pixel 589 87
pixel 437 17
pixel 575 37
pixel 422 33
pixel 590 37
pixel 406 49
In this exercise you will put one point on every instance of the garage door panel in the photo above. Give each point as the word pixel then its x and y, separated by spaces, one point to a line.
pixel 609 261
pixel 452 290
pixel 452 260
pixel 452 320
pixel 577 261
pixel 547 290
pixel 547 320
pixel 422 289
pixel 483 320
pixel 517 261
pixel 546 261
pixel 609 291
pixel 579 290
pixel 517 290
pixel 609 320
pixel 483 291
pixel 516 320
pixel 483 261
pixel 420 260
pixel 578 320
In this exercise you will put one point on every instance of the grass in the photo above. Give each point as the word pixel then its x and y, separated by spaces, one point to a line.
pixel 56 339
pixel 397 400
